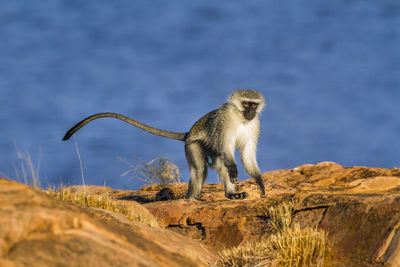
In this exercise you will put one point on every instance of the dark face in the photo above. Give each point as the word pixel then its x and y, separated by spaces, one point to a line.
pixel 249 111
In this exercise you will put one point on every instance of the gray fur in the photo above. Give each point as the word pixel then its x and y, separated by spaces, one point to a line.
pixel 212 141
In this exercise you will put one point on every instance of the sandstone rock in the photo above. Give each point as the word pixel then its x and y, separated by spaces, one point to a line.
pixel 357 206
pixel 375 184
pixel 165 194
pixel 37 230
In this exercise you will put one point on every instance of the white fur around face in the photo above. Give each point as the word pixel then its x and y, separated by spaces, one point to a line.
pixel 240 96
pixel 239 106
pixel 241 132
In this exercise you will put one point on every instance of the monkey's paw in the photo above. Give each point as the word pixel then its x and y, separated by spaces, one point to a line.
pixel 241 195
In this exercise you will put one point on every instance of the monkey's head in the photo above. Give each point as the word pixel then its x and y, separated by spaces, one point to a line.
pixel 249 102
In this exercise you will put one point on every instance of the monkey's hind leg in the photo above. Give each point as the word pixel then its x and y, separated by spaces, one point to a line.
pixel 196 159
pixel 223 172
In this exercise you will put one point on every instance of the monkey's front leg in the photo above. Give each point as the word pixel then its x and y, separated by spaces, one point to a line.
pixel 232 168
pixel 233 173
pixel 251 166
pixel 230 164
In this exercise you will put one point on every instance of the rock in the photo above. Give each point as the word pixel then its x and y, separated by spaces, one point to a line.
pixel 165 194
pixel 38 230
pixel 357 206
pixel 376 184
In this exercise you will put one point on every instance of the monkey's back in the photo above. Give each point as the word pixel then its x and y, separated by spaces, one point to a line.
pixel 209 128
pixel 198 129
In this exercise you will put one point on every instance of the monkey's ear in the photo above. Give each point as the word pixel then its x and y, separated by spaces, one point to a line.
pixel 238 104
pixel 261 106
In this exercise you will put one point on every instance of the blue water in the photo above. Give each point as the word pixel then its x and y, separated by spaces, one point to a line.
pixel 330 71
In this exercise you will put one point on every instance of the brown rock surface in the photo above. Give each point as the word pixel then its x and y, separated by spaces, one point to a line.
pixel 37 230
pixel 358 206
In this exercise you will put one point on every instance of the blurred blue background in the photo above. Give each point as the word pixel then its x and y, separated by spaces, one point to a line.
pixel 330 71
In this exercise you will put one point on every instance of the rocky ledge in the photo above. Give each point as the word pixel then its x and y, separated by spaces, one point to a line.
pixel 359 207
pixel 38 230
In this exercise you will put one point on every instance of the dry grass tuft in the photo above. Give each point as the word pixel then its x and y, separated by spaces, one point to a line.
pixel 248 254
pixel 103 201
pixel 26 170
pixel 281 216
pixel 160 170
pixel 288 246
pixel 299 247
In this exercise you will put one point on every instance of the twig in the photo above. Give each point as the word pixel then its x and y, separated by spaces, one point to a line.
pixel 80 163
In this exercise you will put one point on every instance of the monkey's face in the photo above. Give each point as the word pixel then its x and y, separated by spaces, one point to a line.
pixel 249 110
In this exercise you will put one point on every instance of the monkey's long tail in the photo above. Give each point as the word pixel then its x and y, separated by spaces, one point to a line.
pixel 167 134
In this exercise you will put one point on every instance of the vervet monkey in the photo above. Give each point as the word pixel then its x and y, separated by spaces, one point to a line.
pixel 212 141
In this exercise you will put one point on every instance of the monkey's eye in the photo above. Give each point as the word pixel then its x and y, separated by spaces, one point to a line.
pixel 246 104
pixel 254 105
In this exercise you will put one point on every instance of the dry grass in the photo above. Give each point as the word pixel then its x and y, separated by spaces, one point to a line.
pixel 25 169
pixel 248 254
pixel 290 245
pixel 160 170
pixel 104 201
pixel 281 216
pixel 299 247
